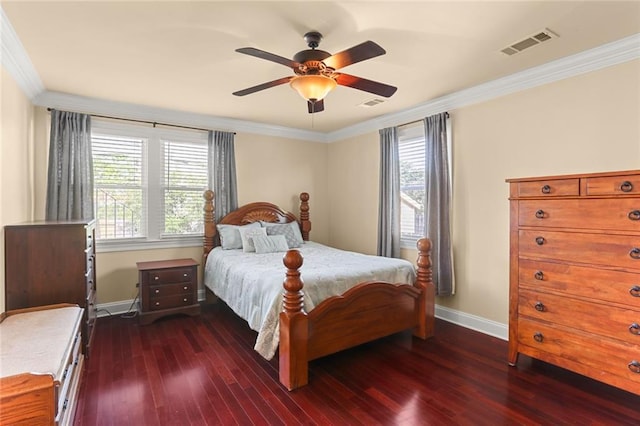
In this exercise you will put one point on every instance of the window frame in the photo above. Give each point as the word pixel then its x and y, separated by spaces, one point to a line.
pixel 152 183
pixel 410 132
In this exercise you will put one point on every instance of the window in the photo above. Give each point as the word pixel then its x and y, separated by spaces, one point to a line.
pixel 411 150
pixel 148 185
pixel 412 185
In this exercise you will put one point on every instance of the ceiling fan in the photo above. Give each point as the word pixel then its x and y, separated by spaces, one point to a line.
pixel 315 71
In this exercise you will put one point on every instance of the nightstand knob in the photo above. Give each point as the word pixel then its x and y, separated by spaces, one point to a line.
pixel 157 291
pixel 185 275
pixel 156 278
pixel 185 287
pixel 184 300
pixel 157 303
pixel 538 337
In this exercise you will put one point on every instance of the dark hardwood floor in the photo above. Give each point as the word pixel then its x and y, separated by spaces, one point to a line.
pixel 203 370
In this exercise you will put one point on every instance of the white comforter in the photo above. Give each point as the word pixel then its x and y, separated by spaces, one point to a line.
pixel 251 284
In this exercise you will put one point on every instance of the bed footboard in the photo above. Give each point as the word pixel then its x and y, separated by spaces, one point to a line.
pixel 350 319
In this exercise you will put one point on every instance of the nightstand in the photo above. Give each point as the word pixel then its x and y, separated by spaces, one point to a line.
pixel 167 287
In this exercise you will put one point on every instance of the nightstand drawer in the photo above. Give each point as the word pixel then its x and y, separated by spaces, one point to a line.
pixel 170 276
pixel 170 290
pixel 174 301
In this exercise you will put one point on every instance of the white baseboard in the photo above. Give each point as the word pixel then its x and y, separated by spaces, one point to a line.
pixel 126 306
pixel 473 322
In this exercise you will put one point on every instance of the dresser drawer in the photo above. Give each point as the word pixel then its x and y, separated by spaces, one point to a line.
pixel 549 188
pixel 170 276
pixel 600 284
pixel 156 291
pixel 598 249
pixel 580 351
pixel 613 185
pixel 622 214
pixel 174 301
pixel 591 317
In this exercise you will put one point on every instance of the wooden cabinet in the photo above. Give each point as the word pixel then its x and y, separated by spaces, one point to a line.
pixel 167 287
pixel 575 274
pixel 52 262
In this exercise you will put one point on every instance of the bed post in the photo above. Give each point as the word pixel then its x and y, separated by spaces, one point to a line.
pixel 425 304
pixel 209 224
pixel 305 223
pixel 294 327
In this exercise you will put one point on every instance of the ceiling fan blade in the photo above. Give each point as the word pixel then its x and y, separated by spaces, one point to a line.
pixel 263 86
pixel 361 52
pixel 316 106
pixel 370 86
pixel 268 56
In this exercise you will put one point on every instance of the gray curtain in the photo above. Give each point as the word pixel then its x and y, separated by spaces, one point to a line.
pixel 438 202
pixel 70 173
pixel 222 159
pixel 389 205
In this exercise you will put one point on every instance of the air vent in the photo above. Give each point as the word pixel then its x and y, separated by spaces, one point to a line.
pixel 371 102
pixel 532 40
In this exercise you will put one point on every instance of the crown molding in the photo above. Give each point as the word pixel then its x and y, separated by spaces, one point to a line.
pixel 15 60
pixel 96 106
pixel 617 52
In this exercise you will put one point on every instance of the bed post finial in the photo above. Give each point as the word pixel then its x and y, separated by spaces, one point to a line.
pixel 424 281
pixel 209 223
pixel 294 328
pixel 305 223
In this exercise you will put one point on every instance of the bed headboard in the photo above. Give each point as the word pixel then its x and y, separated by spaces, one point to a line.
pixel 252 212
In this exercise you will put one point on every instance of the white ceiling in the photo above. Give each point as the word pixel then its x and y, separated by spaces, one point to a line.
pixel 181 55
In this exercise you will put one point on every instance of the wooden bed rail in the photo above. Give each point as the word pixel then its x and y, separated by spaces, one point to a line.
pixel 344 321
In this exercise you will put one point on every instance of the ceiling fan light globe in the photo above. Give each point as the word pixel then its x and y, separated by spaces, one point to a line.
pixel 313 87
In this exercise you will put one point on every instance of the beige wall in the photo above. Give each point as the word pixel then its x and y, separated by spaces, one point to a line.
pixel 588 123
pixel 584 124
pixel 16 166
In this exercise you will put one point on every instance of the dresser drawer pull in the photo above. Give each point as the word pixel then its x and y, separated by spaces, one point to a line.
pixel 540 307
pixel 538 337
pixel 634 215
pixel 186 287
pixel 185 275
pixel 156 278
pixel 540 241
pixel 157 303
pixel 635 291
pixel 635 253
pixel 546 189
pixel 634 366
pixel 184 300
pixel 634 329
pixel 157 291
pixel 539 275
pixel 540 214
pixel 626 186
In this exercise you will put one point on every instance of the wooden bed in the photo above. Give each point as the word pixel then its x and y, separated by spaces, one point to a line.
pixel 339 322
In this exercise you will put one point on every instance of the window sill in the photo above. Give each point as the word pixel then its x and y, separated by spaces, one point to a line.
pixel 106 246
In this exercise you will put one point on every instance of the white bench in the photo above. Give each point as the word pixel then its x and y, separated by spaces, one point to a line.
pixel 40 364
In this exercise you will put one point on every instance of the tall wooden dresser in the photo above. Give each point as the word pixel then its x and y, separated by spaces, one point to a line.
pixel 51 262
pixel 575 274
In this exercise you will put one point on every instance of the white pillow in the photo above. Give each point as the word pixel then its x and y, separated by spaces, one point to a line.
pixel 247 234
pixel 270 244
pixel 230 235
pixel 290 230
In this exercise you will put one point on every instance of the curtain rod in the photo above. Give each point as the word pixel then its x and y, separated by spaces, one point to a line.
pixel 154 123
pixel 419 120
